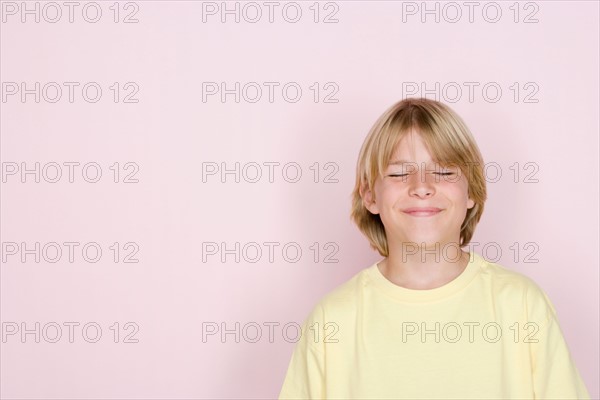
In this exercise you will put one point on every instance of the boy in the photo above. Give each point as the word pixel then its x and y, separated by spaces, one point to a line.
pixel 429 321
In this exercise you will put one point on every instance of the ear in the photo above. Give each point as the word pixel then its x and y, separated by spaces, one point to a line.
pixel 368 199
pixel 470 203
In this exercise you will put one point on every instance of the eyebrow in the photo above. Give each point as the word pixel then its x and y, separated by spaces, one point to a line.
pixel 400 162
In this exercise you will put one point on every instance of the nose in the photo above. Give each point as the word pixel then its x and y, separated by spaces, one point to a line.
pixel 421 184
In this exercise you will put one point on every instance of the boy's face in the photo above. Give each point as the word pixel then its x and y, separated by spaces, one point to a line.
pixel 419 183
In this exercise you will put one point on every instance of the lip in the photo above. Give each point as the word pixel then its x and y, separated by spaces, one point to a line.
pixel 422 211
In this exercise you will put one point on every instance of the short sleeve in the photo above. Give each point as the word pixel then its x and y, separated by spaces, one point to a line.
pixel 305 378
pixel 555 375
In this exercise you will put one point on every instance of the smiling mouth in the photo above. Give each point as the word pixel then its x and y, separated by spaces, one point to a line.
pixel 423 213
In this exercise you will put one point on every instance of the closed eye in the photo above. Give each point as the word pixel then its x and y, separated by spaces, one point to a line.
pixel 437 173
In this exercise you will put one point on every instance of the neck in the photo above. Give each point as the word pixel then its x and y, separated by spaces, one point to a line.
pixel 423 267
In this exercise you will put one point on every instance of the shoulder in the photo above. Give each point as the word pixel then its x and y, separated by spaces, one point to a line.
pixel 514 288
pixel 343 299
pixel 502 278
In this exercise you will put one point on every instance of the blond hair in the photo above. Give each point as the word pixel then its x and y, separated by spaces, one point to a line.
pixel 448 140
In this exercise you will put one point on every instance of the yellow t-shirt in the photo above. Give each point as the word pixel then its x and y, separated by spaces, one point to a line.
pixel 491 333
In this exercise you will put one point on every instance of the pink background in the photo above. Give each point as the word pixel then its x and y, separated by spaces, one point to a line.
pixel 170 132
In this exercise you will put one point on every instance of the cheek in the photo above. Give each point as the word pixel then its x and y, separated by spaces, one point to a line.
pixel 390 196
pixel 459 189
pixel 457 194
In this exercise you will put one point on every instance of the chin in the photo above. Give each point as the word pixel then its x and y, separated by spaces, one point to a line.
pixel 427 243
